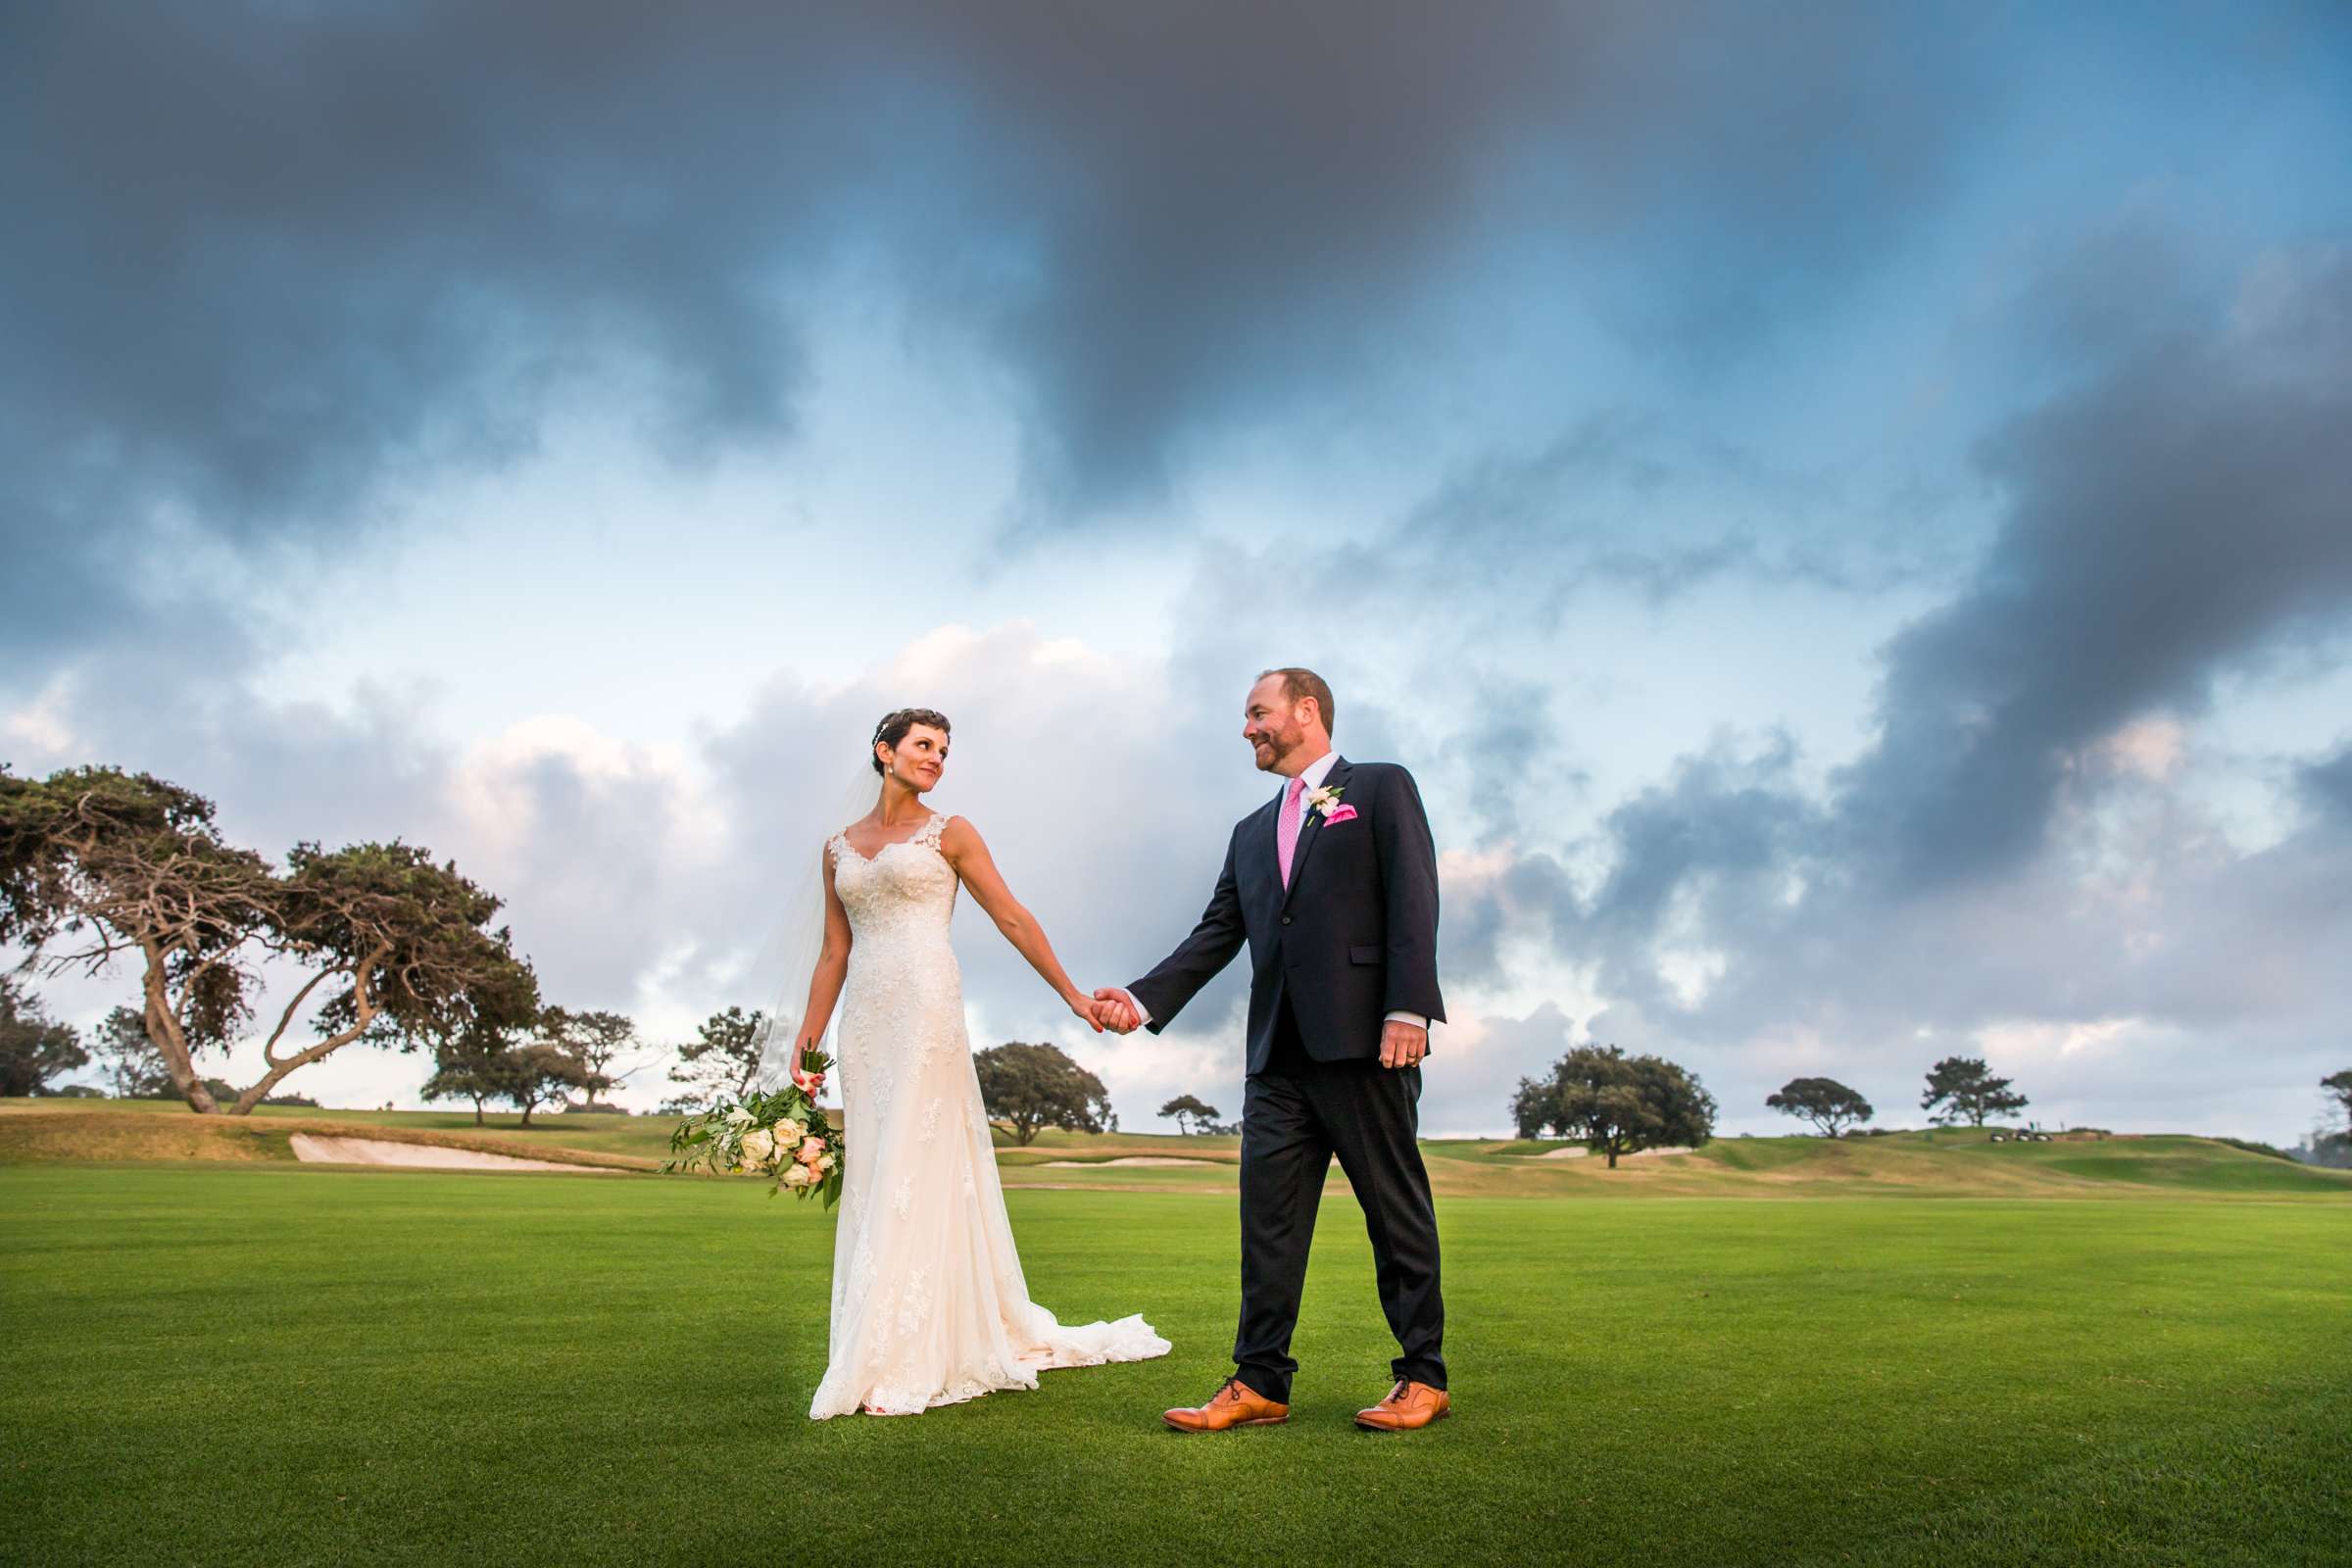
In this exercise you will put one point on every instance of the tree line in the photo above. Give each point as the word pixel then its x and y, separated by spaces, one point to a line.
pixel 1960 1089
pixel 1617 1104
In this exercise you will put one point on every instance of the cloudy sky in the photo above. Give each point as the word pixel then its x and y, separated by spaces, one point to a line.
pixel 1848 513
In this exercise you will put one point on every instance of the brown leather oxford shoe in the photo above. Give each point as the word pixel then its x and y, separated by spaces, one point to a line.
pixel 1235 1405
pixel 1409 1405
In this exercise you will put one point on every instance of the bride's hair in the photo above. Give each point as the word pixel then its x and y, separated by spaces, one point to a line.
pixel 894 728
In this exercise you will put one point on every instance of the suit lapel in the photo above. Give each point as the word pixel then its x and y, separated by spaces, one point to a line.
pixel 1310 833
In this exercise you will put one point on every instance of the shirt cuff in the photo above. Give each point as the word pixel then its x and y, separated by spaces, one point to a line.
pixel 1416 1019
pixel 1143 1014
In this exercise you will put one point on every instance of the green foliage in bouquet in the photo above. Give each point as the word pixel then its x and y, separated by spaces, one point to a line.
pixel 781 1135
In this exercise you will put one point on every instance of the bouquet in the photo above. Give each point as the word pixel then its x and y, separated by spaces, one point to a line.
pixel 782 1136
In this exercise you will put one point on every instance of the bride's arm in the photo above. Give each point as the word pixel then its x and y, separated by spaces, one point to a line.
pixel 824 981
pixel 960 843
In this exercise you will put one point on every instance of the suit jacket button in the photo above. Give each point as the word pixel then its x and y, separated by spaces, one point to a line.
pixel 1285 919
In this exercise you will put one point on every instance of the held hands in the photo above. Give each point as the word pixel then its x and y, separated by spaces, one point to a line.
pixel 1113 1011
pixel 1401 1044
pixel 1097 1017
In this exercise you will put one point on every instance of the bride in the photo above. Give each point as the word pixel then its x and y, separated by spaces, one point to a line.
pixel 929 1305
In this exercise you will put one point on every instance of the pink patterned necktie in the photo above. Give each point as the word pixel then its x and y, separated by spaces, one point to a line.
pixel 1285 828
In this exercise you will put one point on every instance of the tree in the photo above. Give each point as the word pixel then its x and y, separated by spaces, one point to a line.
pixel 134 1068
pixel 1963 1088
pixel 1535 1106
pixel 478 1065
pixel 1035 1087
pixel 2323 1148
pixel 722 1062
pixel 395 945
pixel 2340 1089
pixel 34 1047
pixel 597 1039
pixel 544 1072
pixel 1824 1101
pixel 1185 1107
pixel 1616 1103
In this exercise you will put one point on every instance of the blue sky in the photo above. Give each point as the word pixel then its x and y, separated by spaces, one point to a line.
pixel 1845 515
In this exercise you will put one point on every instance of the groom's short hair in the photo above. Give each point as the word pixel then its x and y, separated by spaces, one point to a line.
pixel 1300 683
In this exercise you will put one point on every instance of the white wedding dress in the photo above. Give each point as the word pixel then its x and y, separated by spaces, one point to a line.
pixel 929 1306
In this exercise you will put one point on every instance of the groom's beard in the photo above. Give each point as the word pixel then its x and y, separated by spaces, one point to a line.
pixel 1277 751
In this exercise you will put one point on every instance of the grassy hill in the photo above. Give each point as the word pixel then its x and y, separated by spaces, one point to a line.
pixel 1946 1163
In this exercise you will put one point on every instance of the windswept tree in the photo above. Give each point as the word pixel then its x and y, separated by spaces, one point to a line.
pixel 527 1068
pixel 397 949
pixel 2340 1089
pixel 1188 1107
pixel 134 1068
pixel 544 1072
pixel 1035 1087
pixel 721 1062
pixel 1964 1088
pixel 477 1066
pixel 1617 1104
pixel 1824 1101
pixel 34 1047
pixel 1535 1106
pixel 602 1039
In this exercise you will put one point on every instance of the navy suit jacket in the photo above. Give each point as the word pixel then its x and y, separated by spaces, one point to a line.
pixel 1352 937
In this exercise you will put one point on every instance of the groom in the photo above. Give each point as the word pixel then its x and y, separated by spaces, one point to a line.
pixel 1334 886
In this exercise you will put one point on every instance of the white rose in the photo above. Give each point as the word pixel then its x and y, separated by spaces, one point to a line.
pixel 758 1146
pixel 824 1162
pixel 797 1176
pixel 790 1130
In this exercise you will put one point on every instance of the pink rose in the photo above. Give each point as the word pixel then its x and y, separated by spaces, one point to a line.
pixel 812 1148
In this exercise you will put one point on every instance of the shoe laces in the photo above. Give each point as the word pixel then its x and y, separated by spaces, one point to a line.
pixel 1232 1385
pixel 1396 1394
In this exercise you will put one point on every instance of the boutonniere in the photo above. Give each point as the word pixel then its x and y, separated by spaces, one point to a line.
pixel 1325 799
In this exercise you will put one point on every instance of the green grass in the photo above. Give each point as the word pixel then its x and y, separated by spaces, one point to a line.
pixel 240 1363
pixel 1947 1163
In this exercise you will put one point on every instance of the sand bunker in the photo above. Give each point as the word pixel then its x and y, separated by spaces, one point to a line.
pixel 1126 1159
pixel 384 1152
pixel 1587 1153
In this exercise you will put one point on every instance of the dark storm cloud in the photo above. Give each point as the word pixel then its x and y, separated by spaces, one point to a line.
pixel 268 273
pixel 271 271
pixel 1252 206
pixel 2328 785
pixel 1620 501
pixel 2180 513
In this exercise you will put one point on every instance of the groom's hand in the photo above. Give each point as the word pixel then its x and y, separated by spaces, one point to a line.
pixel 1113 1011
pixel 1401 1044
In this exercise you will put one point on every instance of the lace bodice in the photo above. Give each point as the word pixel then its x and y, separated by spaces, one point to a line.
pixel 906 890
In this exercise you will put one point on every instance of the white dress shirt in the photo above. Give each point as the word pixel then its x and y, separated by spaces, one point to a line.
pixel 1312 777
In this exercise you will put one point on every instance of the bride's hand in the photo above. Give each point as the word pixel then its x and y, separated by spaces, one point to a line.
pixel 1086 1008
pixel 808 1083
